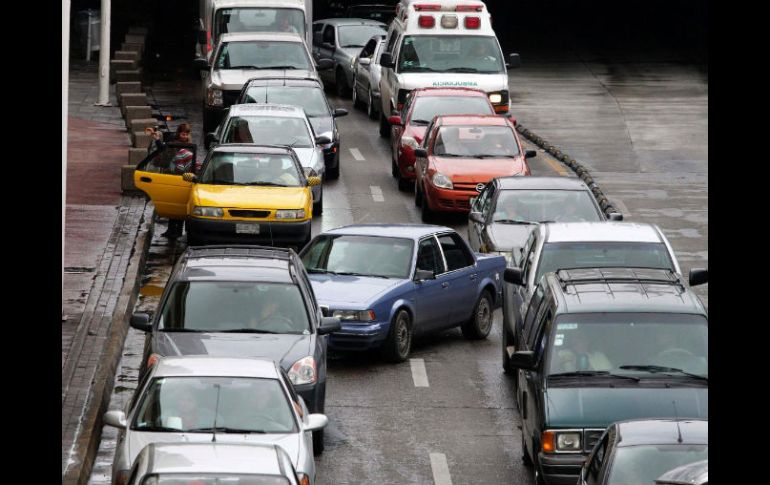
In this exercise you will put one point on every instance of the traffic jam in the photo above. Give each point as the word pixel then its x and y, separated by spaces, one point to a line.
pixel 603 343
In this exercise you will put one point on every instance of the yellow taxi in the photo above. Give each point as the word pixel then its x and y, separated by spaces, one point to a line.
pixel 243 194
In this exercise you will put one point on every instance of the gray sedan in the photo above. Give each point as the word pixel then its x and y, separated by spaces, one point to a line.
pixel 341 40
pixel 366 76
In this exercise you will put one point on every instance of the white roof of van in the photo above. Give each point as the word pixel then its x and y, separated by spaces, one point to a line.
pixel 260 3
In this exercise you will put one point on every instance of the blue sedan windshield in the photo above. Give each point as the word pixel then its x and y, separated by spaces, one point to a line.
pixel 386 257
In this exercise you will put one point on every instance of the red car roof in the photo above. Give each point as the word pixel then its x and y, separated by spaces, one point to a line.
pixel 489 120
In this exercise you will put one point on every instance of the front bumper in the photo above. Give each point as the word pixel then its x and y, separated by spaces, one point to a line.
pixel 561 469
pixel 359 337
pixel 449 200
pixel 223 231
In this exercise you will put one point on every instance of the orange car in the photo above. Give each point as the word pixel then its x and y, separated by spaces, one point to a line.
pixel 459 155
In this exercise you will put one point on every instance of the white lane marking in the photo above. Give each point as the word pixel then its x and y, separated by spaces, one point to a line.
pixel 419 376
pixel 440 469
pixel 377 193
pixel 357 154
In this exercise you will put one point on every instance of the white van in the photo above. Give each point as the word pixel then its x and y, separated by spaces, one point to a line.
pixel 442 43
pixel 217 17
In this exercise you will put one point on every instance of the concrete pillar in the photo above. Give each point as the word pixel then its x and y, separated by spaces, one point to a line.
pixel 104 56
pixel 65 80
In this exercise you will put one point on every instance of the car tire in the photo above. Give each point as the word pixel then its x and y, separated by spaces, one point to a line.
pixel 194 240
pixel 318 207
pixel 393 168
pixel 318 442
pixel 357 103
pixel 507 369
pixel 427 215
pixel 333 173
pixel 417 196
pixel 404 184
pixel 480 323
pixel 341 84
pixel 537 477
pixel 398 344
pixel 371 110
pixel 525 458
pixel 384 126
pixel 209 123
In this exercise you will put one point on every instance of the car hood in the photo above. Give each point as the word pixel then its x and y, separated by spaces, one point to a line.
pixel 349 292
pixel 487 82
pixel 475 170
pixel 234 79
pixel 506 237
pixel 250 197
pixel 597 407
pixel 283 348
pixel 321 124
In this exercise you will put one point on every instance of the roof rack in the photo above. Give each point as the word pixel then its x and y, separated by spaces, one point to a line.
pixel 239 250
pixel 618 275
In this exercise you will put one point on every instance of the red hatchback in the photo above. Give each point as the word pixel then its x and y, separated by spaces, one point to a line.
pixel 460 155
pixel 420 106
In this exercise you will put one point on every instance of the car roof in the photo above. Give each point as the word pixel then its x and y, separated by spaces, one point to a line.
pixel 541 183
pixel 242 458
pixel 409 231
pixel 350 21
pixel 444 91
pixel 600 232
pixel 252 148
pixel 257 36
pixel 290 79
pixel 204 365
pixel 622 290
pixel 261 3
pixel 219 263
pixel 487 120
pixel 267 109
pixel 662 432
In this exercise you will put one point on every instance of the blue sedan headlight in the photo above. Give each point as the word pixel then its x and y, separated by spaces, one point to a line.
pixel 355 315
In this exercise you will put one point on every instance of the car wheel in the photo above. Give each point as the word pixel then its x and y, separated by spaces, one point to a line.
pixel 536 475
pixel 399 342
pixel 333 173
pixel 194 240
pixel 525 458
pixel 371 110
pixel 393 168
pixel 357 103
pixel 417 195
pixel 343 90
pixel 427 214
pixel 507 369
pixel 384 126
pixel 318 442
pixel 480 324
pixel 404 184
pixel 318 207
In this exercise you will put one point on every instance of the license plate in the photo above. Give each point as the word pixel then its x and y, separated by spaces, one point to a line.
pixel 247 228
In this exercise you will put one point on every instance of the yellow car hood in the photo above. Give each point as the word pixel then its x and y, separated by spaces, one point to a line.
pixel 251 197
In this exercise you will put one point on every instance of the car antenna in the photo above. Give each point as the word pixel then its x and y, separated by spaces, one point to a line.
pixel 678 429
pixel 216 413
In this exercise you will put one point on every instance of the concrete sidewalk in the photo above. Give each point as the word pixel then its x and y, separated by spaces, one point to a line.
pixel 105 238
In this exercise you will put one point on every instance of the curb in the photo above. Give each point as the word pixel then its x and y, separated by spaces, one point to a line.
pixel 573 165
pixel 87 444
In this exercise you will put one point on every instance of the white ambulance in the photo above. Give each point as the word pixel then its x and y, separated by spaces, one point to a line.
pixel 442 43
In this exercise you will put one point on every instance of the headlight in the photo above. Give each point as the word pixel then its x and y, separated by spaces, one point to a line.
pixel 495 98
pixel 199 210
pixel 442 181
pixel 357 315
pixel 303 371
pixel 561 441
pixel 215 97
pixel 290 214
pixel 408 141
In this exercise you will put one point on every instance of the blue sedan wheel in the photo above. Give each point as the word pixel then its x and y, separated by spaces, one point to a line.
pixel 480 324
pixel 399 341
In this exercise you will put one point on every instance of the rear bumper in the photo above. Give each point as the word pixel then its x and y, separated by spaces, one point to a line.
pixel 561 469
pixel 218 231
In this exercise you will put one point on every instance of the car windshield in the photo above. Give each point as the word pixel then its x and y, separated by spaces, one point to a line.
pixel 545 205
pixel 268 130
pixel 574 255
pixel 309 98
pixel 228 20
pixel 214 479
pixel 642 464
pixel 263 55
pixel 426 107
pixel 193 404
pixel 663 344
pixel 358 35
pixel 222 306
pixel 230 168
pixel 387 257
pixel 451 53
pixel 476 141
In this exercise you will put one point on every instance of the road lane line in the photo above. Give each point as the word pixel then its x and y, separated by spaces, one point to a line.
pixel 376 193
pixel 357 154
pixel 419 376
pixel 558 167
pixel 440 469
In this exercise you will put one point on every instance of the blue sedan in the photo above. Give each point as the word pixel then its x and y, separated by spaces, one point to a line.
pixel 389 282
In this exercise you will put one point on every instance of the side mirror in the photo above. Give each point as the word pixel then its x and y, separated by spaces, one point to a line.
pixel 476 217
pixel 424 274
pixel 514 61
pixel 530 153
pixel 615 216
pixel 116 419
pixel 189 177
pixel 386 60
pixel 698 276
pixel 141 321
pixel 523 359
pixel 200 63
pixel 324 64
pixel 364 61
pixel 395 120
pixel 313 181
pixel 322 140
pixel 316 422
pixel 514 276
pixel 339 112
pixel 420 152
pixel 329 325
pixel 210 139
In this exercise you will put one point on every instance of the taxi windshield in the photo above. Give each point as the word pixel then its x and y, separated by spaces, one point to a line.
pixel 311 98
pixel 476 142
pixel 231 168
pixel 263 55
pixel 268 130
pixel 451 53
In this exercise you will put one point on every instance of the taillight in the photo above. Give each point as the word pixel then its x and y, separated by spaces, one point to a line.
pixel 427 6
pixel 152 360
pixel 468 8
pixel 426 21
pixel 472 22
pixel 208 41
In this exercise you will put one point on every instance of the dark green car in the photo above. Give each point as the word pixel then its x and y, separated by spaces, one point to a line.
pixel 605 345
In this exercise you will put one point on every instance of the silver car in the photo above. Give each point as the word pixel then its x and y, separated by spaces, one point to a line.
pixel 206 399
pixel 255 464
pixel 341 40
pixel 366 76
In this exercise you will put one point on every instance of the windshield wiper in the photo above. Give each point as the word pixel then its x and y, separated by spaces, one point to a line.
pixel 220 429
pixel 350 45
pixel 278 67
pixel 246 330
pixel 487 155
pixel 243 67
pixel 659 369
pixel 593 373
pixel 266 184
pixel 180 330
pixel 351 273
pixel 320 270
pixel 450 155
pixel 159 429
pixel 420 122
pixel 417 68
pixel 512 221
pixel 462 69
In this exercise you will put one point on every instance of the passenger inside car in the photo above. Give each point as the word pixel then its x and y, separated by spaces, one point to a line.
pixel 576 351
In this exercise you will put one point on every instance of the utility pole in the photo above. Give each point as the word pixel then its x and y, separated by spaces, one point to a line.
pixel 65 79
pixel 104 55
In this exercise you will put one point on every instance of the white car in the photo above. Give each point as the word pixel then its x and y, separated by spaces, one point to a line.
pixel 205 399
pixel 366 76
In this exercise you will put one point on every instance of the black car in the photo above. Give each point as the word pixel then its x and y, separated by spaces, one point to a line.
pixel 307 93
pixel 649 451
pixel 603 345
pixel 244 301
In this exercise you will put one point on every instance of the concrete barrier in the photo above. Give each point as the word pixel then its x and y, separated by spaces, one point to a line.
pixel 136 155
pixel 128 75
pixel 138 113
pixel 121 65
pixel 138 29
pixel 127 179
pixel 127 87
pixel 140 139
pixel 127 56
pixel 135 125
pixel 135 38
pixel 131 46
pixel 131 99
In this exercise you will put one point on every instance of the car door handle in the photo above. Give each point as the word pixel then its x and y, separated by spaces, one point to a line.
pixel 145 179
pixel 445 285
pixel 474 276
